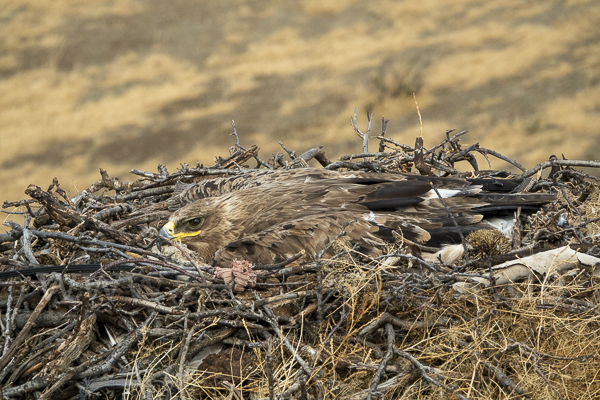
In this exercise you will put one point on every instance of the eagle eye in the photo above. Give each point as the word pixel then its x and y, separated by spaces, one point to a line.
pixel 194 223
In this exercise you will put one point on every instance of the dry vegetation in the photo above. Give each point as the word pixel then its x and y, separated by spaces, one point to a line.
pixel 119 83
pixel 350 327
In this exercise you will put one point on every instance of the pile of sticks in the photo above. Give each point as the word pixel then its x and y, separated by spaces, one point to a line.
pixel 89 307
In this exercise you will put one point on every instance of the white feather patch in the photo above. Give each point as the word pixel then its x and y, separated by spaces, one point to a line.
pixel 447 193
pixel 504 224
pixel 370 217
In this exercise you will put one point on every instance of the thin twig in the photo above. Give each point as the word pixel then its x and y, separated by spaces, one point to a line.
pixel 363 136
pixel 384 123
pixel 503 158
pixel 551 163
pixel 425 371
pixel 391 340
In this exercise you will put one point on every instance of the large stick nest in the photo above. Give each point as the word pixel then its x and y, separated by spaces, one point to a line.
pixel 153 324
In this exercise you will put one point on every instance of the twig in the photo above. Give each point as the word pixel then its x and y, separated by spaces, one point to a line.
pixel 366 155
pixel 269 369
pixel 283 264
pixel 144 303
pixel 498 374
pixel 387 318
pixel 237 138
pixel 317 153
pixel 273 322
pixel 25 240
pixel 402 146
pixel 186 254
pixel 449 139
pixel 551 163
pixel 92 241
pixel 183 353
pixel 238 158
pixel 145 192
pixel 112 184
pixel 363 136
pixel 501 157
pixel 147 261
pixel 384 123
pixel 419 114
pixel 303 392
pixel 391 340
pixel 425 371
pixel 573 173
pixel 290 152
pixel 465 154
pixel 8 327
pixel 423 168
pixel 355 166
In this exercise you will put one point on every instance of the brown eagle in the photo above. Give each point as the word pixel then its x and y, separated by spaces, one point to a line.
pixel 268 216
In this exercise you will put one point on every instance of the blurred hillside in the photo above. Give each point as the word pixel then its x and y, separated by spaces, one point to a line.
pixel 130 84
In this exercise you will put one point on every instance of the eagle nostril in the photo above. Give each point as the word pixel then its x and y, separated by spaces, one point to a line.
pixel 168 230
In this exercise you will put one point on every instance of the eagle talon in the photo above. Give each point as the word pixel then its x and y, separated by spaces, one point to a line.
pixel 158 242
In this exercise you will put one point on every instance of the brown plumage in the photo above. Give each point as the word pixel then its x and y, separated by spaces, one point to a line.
pixel 268 216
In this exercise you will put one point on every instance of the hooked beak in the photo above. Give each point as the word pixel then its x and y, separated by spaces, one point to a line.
pixel 167 231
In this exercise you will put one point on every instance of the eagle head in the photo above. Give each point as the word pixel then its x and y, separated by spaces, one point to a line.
pixel 202 225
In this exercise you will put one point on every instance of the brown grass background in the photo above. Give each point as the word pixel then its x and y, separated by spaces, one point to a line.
pixel 129 84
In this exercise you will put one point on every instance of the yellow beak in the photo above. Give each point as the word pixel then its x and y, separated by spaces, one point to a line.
pixel 168 231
